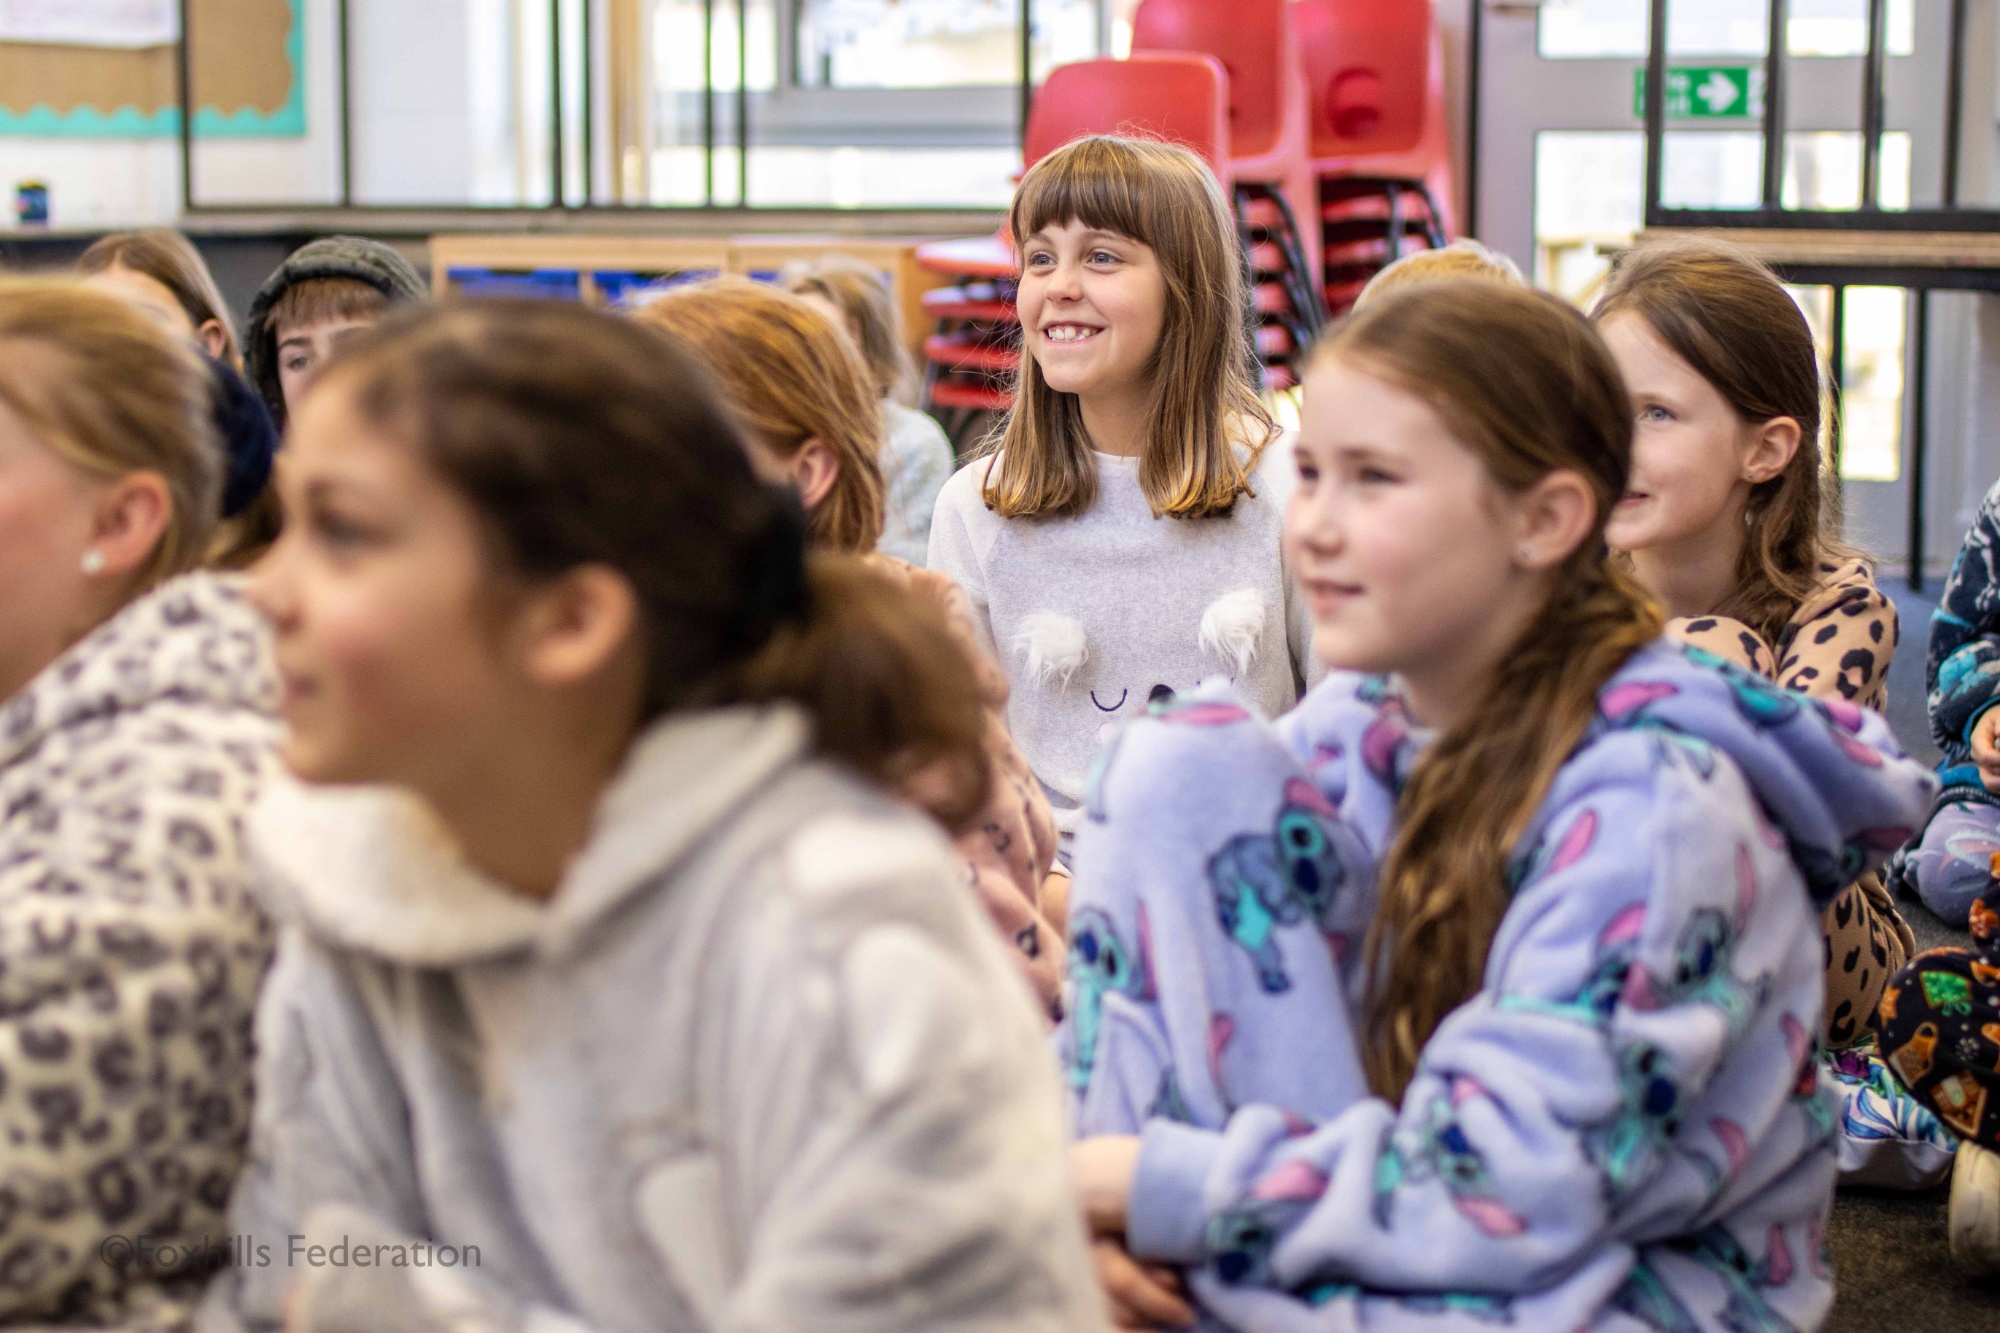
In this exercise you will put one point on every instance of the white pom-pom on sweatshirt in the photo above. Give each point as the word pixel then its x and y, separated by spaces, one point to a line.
pixel 1091 615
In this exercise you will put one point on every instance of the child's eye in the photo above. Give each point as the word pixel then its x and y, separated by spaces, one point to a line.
pixel 1653 412
pixel 1103 257
pixel 1375 476
pixel 1308 472
pixel 340 532
pixel 1040 259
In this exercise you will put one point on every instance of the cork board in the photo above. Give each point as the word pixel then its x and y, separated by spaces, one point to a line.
pixel 247 63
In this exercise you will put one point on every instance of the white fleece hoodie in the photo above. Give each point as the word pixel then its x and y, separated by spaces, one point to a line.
pixel 758 1064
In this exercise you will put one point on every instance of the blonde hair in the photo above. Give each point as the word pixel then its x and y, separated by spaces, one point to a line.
pixel 1463 258
pixel 1205 426
pixel 170 259
pixel 789 376
pixel 1523 382
pixel 1724 313
pixel 102 386
pixel 858 292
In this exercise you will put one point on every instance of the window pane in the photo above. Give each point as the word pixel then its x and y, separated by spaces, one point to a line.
pixel 1840 27
pixel 1590 186
pixel 1608 28
pixel 793 176
pixel 678 169
pixel 938 43
pixel 1871 435
pixel 1823 170
pixel 1617 28
pixel 450 104
pixel 1816 304
pixel 1589 192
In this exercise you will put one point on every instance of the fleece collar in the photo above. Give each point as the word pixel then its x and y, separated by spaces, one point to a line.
pixel 371 869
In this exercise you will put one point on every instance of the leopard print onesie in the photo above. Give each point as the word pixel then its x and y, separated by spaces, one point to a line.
pixel 1839 644
pixel 131 951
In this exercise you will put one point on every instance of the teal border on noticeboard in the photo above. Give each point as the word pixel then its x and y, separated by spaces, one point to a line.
pixel 128 122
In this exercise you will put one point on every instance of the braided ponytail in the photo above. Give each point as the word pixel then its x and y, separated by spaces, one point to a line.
pixel 1520 379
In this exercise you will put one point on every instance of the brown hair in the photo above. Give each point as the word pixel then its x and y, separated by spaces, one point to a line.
pixel 316 300
pixel 1726 315
pixel 1203 402
pixel 1521 380
pixel 102 386
pixel 1463 258
pixel 859 292
pixel 581 437
pixel 790 376
pixel 170 259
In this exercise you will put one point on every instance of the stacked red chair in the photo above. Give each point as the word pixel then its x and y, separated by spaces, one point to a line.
pixel 1269 169
pixel 970 361
pixel 1380 138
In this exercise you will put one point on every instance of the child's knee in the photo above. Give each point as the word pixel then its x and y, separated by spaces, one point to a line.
pixel 1952 864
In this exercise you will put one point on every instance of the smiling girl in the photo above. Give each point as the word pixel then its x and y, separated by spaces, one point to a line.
pixel 1122 541
pixel 610 955
pixel 1482 989
pixel 1726 521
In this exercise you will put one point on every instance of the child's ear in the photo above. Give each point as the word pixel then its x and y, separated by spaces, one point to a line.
pixel 573 626
pixel 814 470
pixel 1554 517
pixel 213 339
pixel 1773 446
pixel 129 521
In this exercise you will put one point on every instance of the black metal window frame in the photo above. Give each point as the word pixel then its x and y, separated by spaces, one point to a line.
pixel 1772 215
pixel 560 195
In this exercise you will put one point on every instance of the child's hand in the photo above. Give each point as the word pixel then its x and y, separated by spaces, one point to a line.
pixel 1055 900
pixel 1142 1296
pixel 1103 1169
pixel 1986 748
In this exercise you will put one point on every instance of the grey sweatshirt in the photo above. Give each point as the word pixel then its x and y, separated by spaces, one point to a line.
pixel 758 1064
pixel 1091 615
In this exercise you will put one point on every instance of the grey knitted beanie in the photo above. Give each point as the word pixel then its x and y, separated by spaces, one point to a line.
pixel 354 257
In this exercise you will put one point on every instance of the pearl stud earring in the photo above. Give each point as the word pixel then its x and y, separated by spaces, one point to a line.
pixel 93 561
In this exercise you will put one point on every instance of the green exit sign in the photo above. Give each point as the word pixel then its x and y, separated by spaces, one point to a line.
pixel 1706 92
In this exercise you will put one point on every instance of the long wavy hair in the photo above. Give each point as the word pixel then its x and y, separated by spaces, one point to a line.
pixel 1727 315
pixel 1521 380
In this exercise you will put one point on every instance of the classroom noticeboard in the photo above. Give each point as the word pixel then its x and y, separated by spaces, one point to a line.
pixel 247 62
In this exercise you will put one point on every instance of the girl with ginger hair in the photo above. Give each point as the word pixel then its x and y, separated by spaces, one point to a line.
pixel 800 390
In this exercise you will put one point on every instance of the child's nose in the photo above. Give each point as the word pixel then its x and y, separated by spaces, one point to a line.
pixel 1067 282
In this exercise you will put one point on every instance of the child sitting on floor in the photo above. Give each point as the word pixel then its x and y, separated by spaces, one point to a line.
pixel 1485 987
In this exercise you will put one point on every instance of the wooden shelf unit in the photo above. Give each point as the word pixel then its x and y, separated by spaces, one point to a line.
pixel 755 256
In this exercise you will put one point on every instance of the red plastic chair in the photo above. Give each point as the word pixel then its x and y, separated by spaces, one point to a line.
pixel 1381 144
pixel 1177 96
pixel 1270 137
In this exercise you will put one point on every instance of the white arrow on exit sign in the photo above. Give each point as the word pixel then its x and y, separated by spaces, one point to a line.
pixel 1719 94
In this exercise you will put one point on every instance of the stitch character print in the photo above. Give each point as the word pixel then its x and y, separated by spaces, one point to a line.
pixel 1262 881
pixel 1100 964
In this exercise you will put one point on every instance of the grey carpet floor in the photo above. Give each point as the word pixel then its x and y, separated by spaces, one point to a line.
pixel 1891 1267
